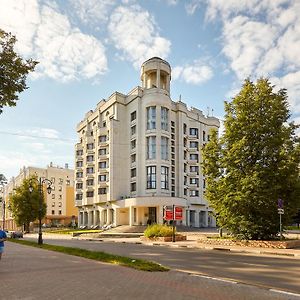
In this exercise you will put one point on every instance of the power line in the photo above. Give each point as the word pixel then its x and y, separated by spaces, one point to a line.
pixel 37 136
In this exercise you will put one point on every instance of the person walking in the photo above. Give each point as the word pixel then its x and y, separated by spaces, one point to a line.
pixel 2 239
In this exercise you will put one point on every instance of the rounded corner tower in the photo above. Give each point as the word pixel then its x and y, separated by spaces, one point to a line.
pixel 156 74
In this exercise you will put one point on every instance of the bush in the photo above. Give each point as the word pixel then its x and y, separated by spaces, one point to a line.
pixel 157 230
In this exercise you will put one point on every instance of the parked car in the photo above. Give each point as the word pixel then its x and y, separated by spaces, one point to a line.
pixel 8 233
pixel 16 234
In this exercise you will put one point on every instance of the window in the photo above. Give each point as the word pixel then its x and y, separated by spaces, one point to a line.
pixel 194 157
pixel 185 180
pixel 90 170
pixel 53 196
pixel 184 192
pixel 151 147
pixel 194 181
pixel 79 152
pixel 203 136
pixel 53 212
pixel 68 182
pixel 59 204
pixel 151 117
pixel 194 193
pixel 208 137
pixel 79 185
pixel 102 151
pixel 164 119
pixel 102 164
pixel 90 182
pixel 78 196
pixel 164 148
pixel 133 172
pixel 59 197
pixel 59 212
pixel 133 158
pixel 133 144
pixel 61 181
pixel 53 204
pixel 133 130
pixel 151 177
pixel 102 178
pixel 90 193
pixel 133 116
pixel 204 183
pixel 101 191
pixel 103 124
pixel 194 132
pixel 184 168
pixel 164 178
pixel 184 128
pixel 78 164
pixel 172 123
pixel 133 186
pixel 102 138
pixel 194 169
pixel 60 188
pixel 90 158
pixel 90 146
pixel 193 144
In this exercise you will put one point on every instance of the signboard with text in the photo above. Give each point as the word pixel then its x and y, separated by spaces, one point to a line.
pixel 178 213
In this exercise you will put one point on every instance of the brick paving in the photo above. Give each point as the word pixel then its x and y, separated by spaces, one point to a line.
pixel 29 273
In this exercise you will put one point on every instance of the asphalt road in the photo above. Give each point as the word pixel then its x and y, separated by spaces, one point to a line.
pixel 29 273
pixel 267 271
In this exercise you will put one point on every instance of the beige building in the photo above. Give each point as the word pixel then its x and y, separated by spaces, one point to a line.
pixel 60 203
pixel 140 152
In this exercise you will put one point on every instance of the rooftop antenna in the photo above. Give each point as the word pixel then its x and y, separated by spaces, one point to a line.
pixel 212 112
pixel 208 111
pixel 179 97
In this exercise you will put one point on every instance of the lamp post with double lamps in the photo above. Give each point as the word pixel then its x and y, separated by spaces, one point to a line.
pixel 40 182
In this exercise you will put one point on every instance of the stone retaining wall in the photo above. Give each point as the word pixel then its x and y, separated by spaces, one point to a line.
pixel 164 239
pixel 260 244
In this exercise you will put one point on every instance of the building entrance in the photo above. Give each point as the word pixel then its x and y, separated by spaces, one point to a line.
pixel 152 215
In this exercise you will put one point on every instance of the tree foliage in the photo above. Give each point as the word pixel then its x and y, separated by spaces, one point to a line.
pixel 25 205
pixel 13 71
pixel 254 163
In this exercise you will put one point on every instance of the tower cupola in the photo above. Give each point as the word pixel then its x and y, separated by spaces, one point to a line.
pixel 156 74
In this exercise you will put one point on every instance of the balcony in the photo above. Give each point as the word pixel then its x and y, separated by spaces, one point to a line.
pixel 194 149
pixel 90 163
pixel 78 146
pixel 193 137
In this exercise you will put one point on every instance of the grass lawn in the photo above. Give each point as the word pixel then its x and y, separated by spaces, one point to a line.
pixel 139 264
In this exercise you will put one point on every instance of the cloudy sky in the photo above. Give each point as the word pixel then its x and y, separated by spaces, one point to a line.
pixel 88 49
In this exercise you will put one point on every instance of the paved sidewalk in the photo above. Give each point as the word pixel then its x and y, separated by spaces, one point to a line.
pixel 29 273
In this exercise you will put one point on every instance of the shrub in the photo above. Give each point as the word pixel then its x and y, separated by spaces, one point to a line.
pixel 157 230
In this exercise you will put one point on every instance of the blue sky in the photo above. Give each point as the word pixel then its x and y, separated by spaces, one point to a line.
pixel 88 49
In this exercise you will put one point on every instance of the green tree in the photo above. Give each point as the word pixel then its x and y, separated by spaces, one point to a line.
pixel 13 71
pixel 25 205
pixel 254 163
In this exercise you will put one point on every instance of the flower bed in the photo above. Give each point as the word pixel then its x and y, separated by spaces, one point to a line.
pixel 285 244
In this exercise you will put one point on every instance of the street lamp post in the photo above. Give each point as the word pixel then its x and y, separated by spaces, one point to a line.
pixel 40 182
pixel 2 199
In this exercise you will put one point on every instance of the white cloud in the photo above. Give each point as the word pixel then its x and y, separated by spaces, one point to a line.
pixel 92 11
pixel 135 33
pixel 64 52
pixel 260 38
pixel 196 73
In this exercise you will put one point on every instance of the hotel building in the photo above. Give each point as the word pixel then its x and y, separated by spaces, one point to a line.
pixel 140 152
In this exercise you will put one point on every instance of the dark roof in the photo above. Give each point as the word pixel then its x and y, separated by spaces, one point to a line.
pixel 156 58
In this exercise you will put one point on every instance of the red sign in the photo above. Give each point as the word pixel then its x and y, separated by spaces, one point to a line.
pixel 178 213
pixel 168 215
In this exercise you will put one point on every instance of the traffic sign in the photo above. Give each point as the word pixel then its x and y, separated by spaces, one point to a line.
pixel 280 211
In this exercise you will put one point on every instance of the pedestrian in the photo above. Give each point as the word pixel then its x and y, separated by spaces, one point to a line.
pixel 2 239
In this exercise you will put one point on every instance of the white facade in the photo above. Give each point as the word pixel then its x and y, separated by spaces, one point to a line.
pixel 140 152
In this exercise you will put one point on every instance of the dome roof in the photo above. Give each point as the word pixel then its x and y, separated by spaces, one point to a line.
pixel 156 58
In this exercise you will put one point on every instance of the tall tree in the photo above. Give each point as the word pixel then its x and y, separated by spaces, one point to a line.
pixel 254 163
pixel 25 205
pixel 13 71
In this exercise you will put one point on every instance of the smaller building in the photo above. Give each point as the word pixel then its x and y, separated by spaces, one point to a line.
pixel 60 203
